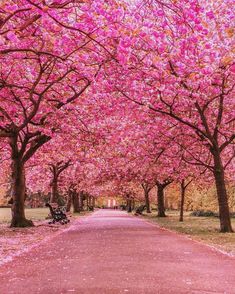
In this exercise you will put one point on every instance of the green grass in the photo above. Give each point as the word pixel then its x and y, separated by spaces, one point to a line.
pixel 205 229
pixel 35 214
pixel 31 213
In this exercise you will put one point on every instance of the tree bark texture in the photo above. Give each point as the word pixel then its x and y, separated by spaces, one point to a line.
pixel 224 215
pixel 18 188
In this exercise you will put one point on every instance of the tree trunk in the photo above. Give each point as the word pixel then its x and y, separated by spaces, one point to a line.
pixel 56 170
pixel 93 201
pixel 87 202
pixel 76 202
pixel 90 200
pixel 160 201
pixel 69 200
pixel 18 195
pixel 147 202
pixel 133 204
pixel 129 206
pixel 224 215
pixel 183 188
pixel 81 200
pixel 54 191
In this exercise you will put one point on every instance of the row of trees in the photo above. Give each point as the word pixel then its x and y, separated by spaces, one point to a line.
pixel 50 54
pixel 117 93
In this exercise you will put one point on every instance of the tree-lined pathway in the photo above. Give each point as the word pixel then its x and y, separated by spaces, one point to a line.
pixel 111 252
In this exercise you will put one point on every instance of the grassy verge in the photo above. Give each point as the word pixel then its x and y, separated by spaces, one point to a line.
pixel 35 214
pixel 205 229
pixel 14 241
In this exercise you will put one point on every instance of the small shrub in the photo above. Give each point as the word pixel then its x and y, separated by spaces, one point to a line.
pixel 205 213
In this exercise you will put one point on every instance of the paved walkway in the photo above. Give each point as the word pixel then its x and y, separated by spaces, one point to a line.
pixel 111 252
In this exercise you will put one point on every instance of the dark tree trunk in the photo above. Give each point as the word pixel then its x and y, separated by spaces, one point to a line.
pixel 69 200
pixel 133 204
pixel 54 191
pixel 147 202
pixel 87 202
pixel 76 202
pixel 93 201
pixel 147 188
pixel 224 215
pixel 160 196
pixel 81 198
pixel 183 187
pixel 90 200
pixel 18 189
pixel 160 201
pixel 129 204
pixel 56 170
pixel 182 198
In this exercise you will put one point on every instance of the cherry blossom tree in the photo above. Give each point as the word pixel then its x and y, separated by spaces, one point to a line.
pixel 144 85
pixel 180 67
pixel 50 52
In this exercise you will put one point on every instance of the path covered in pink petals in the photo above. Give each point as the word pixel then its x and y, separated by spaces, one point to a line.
pixel 112 252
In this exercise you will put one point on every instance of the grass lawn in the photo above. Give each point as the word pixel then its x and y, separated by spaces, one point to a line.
pixel 14 241
pixel 31 213
pixel 205 229
pixel 34 214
